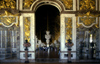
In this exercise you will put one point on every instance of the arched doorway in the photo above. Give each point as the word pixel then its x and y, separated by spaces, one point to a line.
pixel 47 19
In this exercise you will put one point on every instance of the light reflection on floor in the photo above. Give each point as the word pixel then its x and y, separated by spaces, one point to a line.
pixel 47 54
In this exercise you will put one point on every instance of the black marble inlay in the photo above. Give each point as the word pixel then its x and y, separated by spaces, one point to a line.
pixel 66 55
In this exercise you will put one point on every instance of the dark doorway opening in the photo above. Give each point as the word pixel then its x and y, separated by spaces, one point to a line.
pixel 47 18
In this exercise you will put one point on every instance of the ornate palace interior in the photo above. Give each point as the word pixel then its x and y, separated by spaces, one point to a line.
pixel 48 25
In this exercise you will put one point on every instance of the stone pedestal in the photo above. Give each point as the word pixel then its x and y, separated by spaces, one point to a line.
pixel 26 45
pixel 26 55
pixel 69 56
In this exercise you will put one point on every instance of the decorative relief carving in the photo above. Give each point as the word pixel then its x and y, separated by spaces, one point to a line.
pixel 27 28
pixel 68 28
pixel 88 20
pixel 68 4
pixel 9 14
pixel 8 19
pixel 8 4
pixel 87 4
pixel 27 3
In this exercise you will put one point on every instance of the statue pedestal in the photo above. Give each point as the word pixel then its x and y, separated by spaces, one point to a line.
pixel 69 56
pixel 69 45
pixel 26 44
pixel 26 55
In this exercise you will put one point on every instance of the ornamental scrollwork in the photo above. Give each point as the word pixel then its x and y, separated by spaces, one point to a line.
pixel 27 28
pixel 68 4
pixel 68 29
pixel 87 4
pixel 8 4
pixel 8 19
pixel 27 3
pixel 9 14
pixel 88 20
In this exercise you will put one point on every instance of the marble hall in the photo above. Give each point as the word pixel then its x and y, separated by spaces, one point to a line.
pixel 51 31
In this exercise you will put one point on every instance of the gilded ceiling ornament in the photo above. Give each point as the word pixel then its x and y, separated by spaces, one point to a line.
pixel 68 3
pixel 8 4
pixel 28 3
pixel 87 5
pixel 68 29
pixel 27 29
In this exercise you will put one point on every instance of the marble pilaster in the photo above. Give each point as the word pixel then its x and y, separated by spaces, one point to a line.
pixel 32 36
pixel 63 48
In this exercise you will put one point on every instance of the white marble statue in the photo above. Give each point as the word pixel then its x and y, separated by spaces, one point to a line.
pixel 47 37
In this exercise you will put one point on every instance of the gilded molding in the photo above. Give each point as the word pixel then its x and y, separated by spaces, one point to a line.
pixel 68 4
pixel 27 28
pixel 8 4
pixel 88 14
pixel 9 14
pixel 87 20
pixel 68 28
pixel 27 3
pixel 87 4
pixel 8 19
